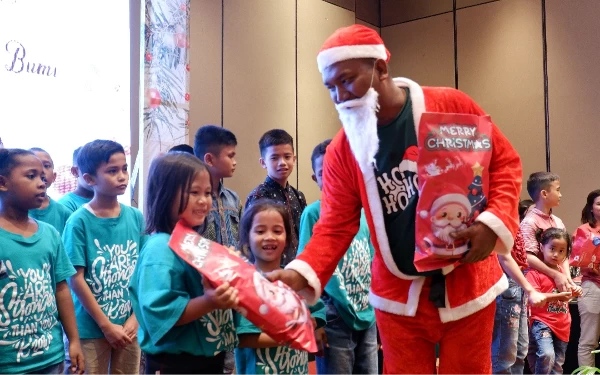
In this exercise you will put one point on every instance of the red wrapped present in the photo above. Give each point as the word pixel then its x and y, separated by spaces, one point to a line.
pixel 271 306
pixel 586 250
pixel 453 177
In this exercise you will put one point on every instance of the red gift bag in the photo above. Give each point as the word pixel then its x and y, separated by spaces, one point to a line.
pixel 453 177
pixel 586 250
pixel 271 306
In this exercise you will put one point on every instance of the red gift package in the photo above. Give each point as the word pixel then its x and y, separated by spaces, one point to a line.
pixel 453 178
pixel 271 306
pixel 586 250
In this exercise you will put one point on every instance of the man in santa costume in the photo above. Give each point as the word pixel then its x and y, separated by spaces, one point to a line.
pixel 364 167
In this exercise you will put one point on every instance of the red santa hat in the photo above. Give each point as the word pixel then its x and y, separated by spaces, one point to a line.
pixel 437 195
pixel 352 42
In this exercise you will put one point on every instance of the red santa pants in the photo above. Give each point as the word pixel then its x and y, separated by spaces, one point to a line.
pixel 409 342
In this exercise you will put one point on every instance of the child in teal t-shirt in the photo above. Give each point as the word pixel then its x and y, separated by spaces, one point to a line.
pixel 264 235
pixel 103 240
pixel 35 302
pixel 82 194
pixel 186 325
pixel 351 330
pixel 50 211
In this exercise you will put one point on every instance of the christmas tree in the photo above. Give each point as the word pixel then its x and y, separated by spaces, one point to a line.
pixel 476 196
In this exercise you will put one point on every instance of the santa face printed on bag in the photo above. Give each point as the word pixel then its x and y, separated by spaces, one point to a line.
pixel 449 213
pixel 452 168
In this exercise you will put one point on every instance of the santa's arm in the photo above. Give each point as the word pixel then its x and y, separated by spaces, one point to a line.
pixel 338 224
pixel 505 173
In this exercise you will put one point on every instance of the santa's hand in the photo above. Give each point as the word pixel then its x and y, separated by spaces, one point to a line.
pixel 482 239
pixel 290 277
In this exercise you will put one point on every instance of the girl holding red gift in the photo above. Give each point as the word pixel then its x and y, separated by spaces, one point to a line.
pixel 185 325
pixel 589 302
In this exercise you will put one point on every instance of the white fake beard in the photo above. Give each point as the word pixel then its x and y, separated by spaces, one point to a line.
pixel 359 118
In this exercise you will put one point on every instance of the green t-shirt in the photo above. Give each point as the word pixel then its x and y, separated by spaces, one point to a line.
pixel 396 175
pixel 277 360
pixel 161 287
pixel 349 286
pixel 108 249
pixel 73 201
pixel 55 214
pixel 30 330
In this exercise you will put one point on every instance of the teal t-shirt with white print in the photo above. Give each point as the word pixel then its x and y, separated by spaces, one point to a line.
pixel 30 330
pixel 108 249
pixel 277 360
pixel 349 286
pixel 55 214
pixel 73 201
pixel 161 287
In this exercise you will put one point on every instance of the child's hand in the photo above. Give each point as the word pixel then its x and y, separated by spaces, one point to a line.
pixel 116 336
pixel 224 297
pixel 562 296
pixel 537 299
pixel 322 343
pixel 77 359
pixel 576 290
pixel 233 251
pixel 131 327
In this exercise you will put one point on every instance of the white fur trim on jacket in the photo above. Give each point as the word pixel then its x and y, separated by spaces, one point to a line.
pixel 471 307
pixel 337 54
pixel 394 307
pixel 505 238
pixel 304 269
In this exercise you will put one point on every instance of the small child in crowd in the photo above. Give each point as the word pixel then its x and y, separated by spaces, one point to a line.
pixel 186 325
pixel 35 300
pixel 50 211
pixel 277 157
pixel 182 147
pixel 510 337
pixel 544 189
pixel 551 323
pixel 589 302
pixel 103 240
pixel 351 329
pixel 264 235
pixel 82 194
pixel 216 147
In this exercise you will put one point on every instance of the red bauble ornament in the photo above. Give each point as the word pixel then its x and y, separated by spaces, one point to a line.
pixel 154 98
pixel 181 40
pixel 187 123
pixel 148 56
pixel 183 7
pixel 187 97
pixel 187 67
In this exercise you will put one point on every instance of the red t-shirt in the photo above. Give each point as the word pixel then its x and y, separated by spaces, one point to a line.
pixel 585 272
pixel 553 314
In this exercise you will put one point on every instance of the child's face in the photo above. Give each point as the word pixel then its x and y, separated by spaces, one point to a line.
pixel 48 167
pixel 596 209
pixel 318 168
pixel 224 163
pixel 199 200
pixel 25 186
pixel 555 251
pixel 279 162
pixel 267 236
pixel 552 195
pixel 111 178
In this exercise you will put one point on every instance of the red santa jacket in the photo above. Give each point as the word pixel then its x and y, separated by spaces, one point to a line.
pixel 469 287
